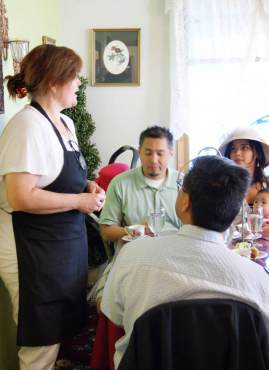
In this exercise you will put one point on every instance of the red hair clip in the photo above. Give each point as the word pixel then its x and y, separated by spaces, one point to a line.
pixel 21 92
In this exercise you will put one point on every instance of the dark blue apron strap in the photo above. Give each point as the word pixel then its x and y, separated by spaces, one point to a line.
pixel 42 111
pixel 38 107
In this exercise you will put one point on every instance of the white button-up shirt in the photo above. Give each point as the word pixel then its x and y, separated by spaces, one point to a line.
pixel 192 264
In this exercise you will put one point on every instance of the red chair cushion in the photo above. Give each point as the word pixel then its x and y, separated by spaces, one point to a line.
pixel 107 173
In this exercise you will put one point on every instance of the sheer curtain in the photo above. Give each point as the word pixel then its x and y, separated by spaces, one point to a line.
pixel 219 66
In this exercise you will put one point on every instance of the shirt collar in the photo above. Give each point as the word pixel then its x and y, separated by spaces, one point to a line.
pixel 169 182
pixel 196 232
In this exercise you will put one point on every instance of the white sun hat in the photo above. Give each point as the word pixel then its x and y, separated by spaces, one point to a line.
pixel 248 133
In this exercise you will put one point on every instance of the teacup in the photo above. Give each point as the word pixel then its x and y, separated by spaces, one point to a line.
pixel 136 230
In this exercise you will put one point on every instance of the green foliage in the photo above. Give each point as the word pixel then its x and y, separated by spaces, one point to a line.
pixel 85 127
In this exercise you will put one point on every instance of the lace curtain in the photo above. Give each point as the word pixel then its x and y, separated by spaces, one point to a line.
pixel 219 69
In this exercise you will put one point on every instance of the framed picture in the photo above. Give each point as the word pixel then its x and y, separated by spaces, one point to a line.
pixel 116 57
pixel 48 40
pixel 2 105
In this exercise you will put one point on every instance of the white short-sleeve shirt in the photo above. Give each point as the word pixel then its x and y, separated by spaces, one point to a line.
pixel 27 144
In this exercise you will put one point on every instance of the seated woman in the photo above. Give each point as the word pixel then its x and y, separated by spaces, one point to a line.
pixel 248 148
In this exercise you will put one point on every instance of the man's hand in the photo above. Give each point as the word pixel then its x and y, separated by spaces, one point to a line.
pixel 148 230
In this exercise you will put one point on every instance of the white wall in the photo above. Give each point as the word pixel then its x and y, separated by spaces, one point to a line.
pixel 29 20
pixel 121 113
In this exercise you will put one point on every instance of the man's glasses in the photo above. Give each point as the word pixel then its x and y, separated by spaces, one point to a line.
pixel 209 150
pixel 78 154
pixel 179 181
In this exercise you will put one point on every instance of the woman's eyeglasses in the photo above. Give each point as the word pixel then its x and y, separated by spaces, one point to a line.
pixel 78 154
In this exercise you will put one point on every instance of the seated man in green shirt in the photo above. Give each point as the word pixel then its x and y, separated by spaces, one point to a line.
pixel 133 194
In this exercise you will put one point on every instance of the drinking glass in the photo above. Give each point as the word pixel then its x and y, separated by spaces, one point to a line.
pixel 156 221
pixel 255 222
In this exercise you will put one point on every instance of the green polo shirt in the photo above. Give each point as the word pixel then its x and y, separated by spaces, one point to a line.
pixel 129 200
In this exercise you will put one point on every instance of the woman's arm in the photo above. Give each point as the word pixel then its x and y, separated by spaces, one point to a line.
pixel 23 195
pixel 93 187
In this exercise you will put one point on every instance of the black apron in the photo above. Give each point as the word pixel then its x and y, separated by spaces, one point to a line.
pixel 52 261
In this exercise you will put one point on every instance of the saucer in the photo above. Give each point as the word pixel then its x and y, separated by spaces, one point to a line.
pixel 238 235
pixel 129 238
pixel 245 252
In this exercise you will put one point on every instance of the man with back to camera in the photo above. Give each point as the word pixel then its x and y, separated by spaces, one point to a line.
pixel 132 194
pixel 194 263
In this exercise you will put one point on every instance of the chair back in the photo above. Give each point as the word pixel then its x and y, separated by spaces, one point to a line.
pixel 107 173
pixel 123 149
pixel 206 334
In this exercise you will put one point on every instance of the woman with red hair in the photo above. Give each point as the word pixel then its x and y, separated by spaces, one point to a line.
pixel 44 194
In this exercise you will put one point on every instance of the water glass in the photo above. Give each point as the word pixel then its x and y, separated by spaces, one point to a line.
pixel 156 221
pixel 255 221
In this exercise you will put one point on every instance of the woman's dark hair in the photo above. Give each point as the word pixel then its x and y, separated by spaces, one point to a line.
pixel 263 191
pixel 42 67
pixel 260 164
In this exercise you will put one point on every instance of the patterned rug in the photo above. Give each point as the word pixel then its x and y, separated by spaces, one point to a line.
pixel 75 354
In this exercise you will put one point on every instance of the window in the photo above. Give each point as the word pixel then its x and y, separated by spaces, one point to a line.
pixel 221 67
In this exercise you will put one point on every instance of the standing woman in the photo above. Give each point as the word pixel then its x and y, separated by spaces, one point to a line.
pixel 249 149
pixel 44 194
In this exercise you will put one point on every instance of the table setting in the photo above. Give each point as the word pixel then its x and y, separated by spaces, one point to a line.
pixel 247 239
pixel 153 227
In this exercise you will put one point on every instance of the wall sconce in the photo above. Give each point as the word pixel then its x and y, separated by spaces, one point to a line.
pixel 19 48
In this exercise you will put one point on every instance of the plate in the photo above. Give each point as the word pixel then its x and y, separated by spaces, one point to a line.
pixel 244 252
pixel 238 235
pixel 257 236
pixel 261 254
pixel 128 238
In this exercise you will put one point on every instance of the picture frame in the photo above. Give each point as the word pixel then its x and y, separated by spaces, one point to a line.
pixel 116 57
pixel 48 40
pixel 2 104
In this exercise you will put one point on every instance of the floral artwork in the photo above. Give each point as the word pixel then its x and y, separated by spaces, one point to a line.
pixel 116 57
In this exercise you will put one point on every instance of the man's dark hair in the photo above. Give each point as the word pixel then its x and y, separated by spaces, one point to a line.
pixel 157 132
pixel 216 187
